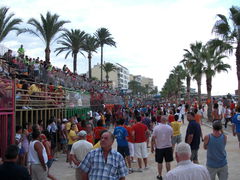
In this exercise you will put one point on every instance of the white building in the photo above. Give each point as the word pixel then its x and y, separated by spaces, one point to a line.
pixel 119 78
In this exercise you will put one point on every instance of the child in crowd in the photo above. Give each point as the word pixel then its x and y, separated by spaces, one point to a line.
pixel 177 137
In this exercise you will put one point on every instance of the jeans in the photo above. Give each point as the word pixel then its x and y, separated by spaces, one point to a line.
pixel 222 172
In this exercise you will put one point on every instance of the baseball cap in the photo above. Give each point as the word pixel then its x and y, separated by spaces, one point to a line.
pixel 82 133
pixel 65 120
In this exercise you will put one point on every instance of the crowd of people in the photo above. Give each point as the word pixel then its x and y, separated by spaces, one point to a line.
pixel 32 75
pixel 88 143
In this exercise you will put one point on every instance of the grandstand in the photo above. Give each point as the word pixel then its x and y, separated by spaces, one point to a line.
pixel 32 91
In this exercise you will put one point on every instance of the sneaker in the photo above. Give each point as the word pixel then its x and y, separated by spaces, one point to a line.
pixel 159 177
pixel 70 166
pixel 130 170
pixel 146 168
pixel 139 170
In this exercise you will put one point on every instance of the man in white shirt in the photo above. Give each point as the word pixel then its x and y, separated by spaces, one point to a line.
pixel 79 151
pixel 186 170
pixel 162 143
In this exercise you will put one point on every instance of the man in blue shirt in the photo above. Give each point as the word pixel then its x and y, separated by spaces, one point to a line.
pixel 122 144
pixel 193 135
pixel 236 125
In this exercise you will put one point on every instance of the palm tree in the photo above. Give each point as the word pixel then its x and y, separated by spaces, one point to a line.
pixel 7 23
pixel 72 42
pixel 187 73
pixel 178 75
pixel 104 37
pixel 108 67
pixel 229 31
pixel 134 86
pixel 213 55
pixel 90 46
pixel 46 30
pixel 171 88
pixel 194 58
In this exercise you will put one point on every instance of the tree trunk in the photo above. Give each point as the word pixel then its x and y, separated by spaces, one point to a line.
pixel 188 89
pixel 209 89
pixel 47 54
pixel 199 83
pixel 89 65
pixel 238 69
pixel 107 77
pixel 101 64
pixel 75 63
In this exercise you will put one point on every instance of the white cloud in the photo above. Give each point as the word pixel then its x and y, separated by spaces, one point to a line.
pixel 150 35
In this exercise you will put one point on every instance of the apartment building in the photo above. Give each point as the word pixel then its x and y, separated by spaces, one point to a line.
pixel 119 78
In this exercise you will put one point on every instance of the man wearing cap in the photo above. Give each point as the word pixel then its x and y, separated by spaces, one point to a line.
pixel 79 151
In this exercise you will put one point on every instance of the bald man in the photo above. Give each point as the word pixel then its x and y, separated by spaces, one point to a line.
pixel 186 169
pixel 104 163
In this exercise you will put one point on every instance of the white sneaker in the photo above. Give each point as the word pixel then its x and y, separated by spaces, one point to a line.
pixel 146 168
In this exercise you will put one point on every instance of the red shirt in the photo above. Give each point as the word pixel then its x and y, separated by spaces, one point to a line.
pixel 140 132
pixel 89 138
pixel 232 106
pixel 130 133
pixel 171 118
pixel 97 131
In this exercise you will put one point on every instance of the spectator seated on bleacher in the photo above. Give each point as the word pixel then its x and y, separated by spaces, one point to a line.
pixel 34 89
pixel 8 55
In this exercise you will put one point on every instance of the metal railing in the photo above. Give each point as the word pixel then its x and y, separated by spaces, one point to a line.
pixel 7 125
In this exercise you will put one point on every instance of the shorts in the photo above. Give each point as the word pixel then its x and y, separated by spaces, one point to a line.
pixel 131 149
pixel 63 141
pixel 21 151
pixel 49 163
pixel 123 150
pixel 194 156
pixel 140 150
pixel 238 136
pixel 166 153
pixel 176 139
pixel 222 172
pixel 36 72
pixel 69 147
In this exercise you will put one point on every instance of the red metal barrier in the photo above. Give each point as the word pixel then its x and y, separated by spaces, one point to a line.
pixel 7 126
pixel 6 131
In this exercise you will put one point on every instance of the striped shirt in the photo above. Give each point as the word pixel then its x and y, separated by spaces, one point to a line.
pixel 94 164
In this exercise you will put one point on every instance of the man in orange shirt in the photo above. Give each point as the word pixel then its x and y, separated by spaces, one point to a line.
pixel 97 131
pixel 198 117
pixel 89 130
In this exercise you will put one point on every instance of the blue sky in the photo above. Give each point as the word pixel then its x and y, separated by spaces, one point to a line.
pixel 150 34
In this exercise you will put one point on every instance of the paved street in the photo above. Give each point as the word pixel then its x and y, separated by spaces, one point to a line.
pixel 62 172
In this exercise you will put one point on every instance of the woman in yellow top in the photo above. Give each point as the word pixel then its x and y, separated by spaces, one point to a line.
pixel 177 137
pixel 72 138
